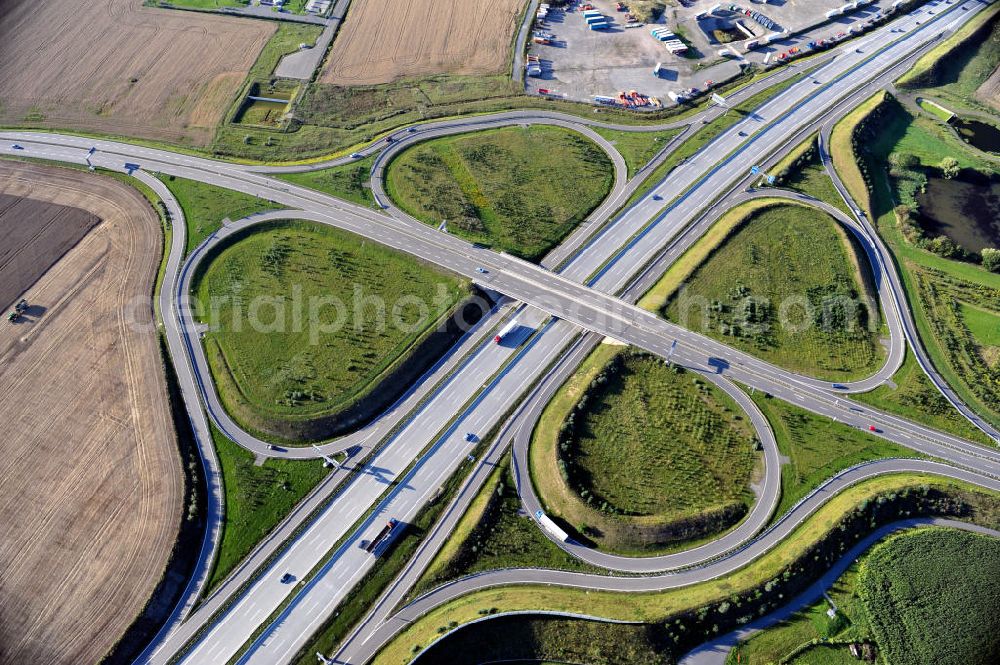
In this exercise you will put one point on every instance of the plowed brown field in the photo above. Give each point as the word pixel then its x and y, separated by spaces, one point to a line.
pixel 383 40
pixel 115 66
pixel 90 478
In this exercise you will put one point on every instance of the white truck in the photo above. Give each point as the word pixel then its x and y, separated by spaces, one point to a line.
pixel 511 326
pixel 551 526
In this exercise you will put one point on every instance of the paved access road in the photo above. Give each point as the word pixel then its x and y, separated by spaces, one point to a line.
pixel 592 309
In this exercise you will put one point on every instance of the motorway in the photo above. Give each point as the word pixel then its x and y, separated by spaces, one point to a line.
pixel 487 380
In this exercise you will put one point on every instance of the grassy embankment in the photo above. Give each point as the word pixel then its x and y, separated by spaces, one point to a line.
pixel 520 190
pixel 801 170
pixel 637 148
pixel 639 458
pixel 348 181
pixel 205 206
pixel 935 285
pixel 954 70
pixel 816 448
pixel 257 498
pixel 762 284
pixel 720 599
pixel 495 533
pixel 337 317
pixel 878 603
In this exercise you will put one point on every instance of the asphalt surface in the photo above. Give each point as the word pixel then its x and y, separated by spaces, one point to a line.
pixel 363 652
pixel 507 377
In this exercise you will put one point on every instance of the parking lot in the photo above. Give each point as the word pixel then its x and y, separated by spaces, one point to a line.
pixel 581 64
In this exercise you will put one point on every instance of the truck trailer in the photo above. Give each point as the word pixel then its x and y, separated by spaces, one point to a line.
pixel 511 326
pixel 551 526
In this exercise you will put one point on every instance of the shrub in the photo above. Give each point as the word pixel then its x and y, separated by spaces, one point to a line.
pixel 991 259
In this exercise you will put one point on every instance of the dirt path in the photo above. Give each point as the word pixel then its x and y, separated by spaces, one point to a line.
pixel 90 478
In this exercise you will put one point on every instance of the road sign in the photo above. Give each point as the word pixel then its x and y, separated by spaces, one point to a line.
pixel 130 167
pixel 718 99
pixel 754 170
pixel 443 226
pixel 770 179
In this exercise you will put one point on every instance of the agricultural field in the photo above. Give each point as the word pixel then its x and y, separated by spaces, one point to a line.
pixel 386 40
pixel 117 67
pixel 932 597
pixel 497 187
pixel 31 248
pixel 368 318
pixel 878 603
pixel 103 480
pixel 637 456
pixel 789 286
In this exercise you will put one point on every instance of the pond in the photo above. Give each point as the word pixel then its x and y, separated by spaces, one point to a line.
pixel 978 134
pixel 966 212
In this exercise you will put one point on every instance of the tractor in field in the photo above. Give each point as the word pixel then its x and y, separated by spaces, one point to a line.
pixel 18 310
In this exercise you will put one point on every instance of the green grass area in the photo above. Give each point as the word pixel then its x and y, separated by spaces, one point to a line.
pixel 955 69
pixel 257 499
pixel 637 148
pixel 929 141
pixel 651 455
pixel 520 190
pixel 785 286
pixel 913 396
pixel 935 109
pixel 792 640
pixel 689 612
pixel 310 321
pixel 348 181
pixel 983 324
pixel 932 597
pixel 637 458
pixel 495 532
pixel 817 448
pixel 205 206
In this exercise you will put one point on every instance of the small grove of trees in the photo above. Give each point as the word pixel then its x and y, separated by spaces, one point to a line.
pixel 991 259
pixel 949 167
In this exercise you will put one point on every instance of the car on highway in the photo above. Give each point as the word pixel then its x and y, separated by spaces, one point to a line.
pixel 287 577
pixel 741 133
pixel 481 270
pixel 356 155
pixel 411 130
pixel 17 146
